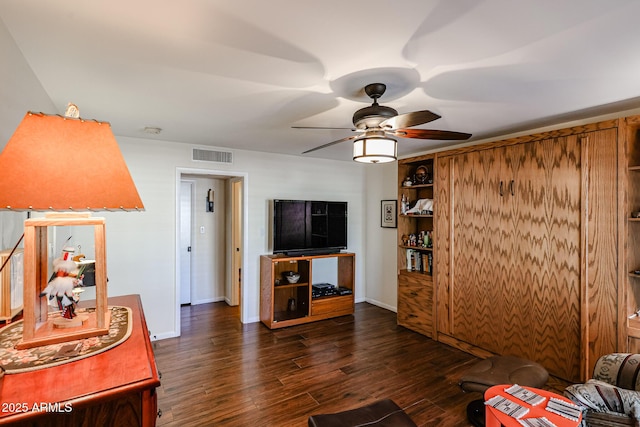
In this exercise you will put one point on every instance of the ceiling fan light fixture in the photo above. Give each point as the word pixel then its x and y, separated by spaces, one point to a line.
pixel 375 149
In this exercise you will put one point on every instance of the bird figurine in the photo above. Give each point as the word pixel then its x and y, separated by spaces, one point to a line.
pixel 63 282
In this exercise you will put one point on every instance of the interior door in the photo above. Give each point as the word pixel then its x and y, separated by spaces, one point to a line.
pixel 236 241
pixel 186 191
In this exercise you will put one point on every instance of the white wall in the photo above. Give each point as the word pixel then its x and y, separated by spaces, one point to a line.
pixel 141 245
pixel 381 266
pixel 20 92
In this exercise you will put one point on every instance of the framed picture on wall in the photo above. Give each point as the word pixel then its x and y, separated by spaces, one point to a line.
pixel 389 214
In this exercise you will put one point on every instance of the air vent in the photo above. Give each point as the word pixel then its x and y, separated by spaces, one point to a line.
pixel 214 156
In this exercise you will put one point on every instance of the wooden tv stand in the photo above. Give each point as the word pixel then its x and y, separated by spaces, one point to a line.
pixel 276 292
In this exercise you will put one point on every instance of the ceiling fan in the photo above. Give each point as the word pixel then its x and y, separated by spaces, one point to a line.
pixel 374 123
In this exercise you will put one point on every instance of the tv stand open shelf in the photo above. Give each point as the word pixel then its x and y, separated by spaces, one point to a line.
pixel 276 293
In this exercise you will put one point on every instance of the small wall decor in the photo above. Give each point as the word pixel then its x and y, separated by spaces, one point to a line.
pixel 389 214
pixel 210 200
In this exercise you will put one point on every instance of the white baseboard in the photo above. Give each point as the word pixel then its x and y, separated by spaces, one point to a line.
pixel 253 320
pixel 207 300
pixel 382 305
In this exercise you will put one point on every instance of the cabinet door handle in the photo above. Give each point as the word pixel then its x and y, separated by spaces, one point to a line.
pixel 511 187
pixel 501 192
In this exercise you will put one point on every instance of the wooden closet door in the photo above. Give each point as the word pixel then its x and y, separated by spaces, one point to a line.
pixel 546 222
pixel 535 272
pixel 515 285
pixel 475 233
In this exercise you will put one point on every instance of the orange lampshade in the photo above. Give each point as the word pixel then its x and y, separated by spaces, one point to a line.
pixel 65 164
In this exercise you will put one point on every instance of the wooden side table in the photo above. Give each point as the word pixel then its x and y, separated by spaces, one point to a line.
pixel 114 388
pixel 496 418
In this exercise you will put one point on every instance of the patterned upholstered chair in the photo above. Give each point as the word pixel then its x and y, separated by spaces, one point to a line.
pixel 612 397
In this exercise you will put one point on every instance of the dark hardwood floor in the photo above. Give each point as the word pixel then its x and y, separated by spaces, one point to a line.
pixel 223 373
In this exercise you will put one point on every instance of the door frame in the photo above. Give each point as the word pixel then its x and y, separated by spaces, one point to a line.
pixel 244 177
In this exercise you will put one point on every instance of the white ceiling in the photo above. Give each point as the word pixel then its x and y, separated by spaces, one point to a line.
pixel 241 73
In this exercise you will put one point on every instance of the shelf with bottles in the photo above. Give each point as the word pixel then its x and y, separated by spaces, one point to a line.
pixel 422 240
pixel 419 251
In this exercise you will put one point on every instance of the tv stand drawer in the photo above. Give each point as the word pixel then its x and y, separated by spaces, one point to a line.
pixel 320 306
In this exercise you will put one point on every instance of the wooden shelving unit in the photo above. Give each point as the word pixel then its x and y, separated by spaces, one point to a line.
pixel 276 293
pixel 631 129
pixel 534 246
pixel 415 287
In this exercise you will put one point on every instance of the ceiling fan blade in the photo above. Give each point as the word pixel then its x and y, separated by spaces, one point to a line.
pixel 429 134
pixel 320 127
pixel 331 143
pixel 408 120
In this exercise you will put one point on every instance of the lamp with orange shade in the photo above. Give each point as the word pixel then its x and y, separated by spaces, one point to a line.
pixel 67 167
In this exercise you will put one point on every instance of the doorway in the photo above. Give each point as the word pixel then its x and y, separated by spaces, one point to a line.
pixel 230 207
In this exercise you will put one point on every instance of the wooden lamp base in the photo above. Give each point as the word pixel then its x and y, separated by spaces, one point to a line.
pixel 39 327
pixel 55 331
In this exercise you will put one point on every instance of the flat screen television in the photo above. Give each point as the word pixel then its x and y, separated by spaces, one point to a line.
pixel 309 227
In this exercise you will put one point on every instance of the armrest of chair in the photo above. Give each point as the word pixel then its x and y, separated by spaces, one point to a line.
pixel 596 419
pixel 597 396
pixel 619 369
